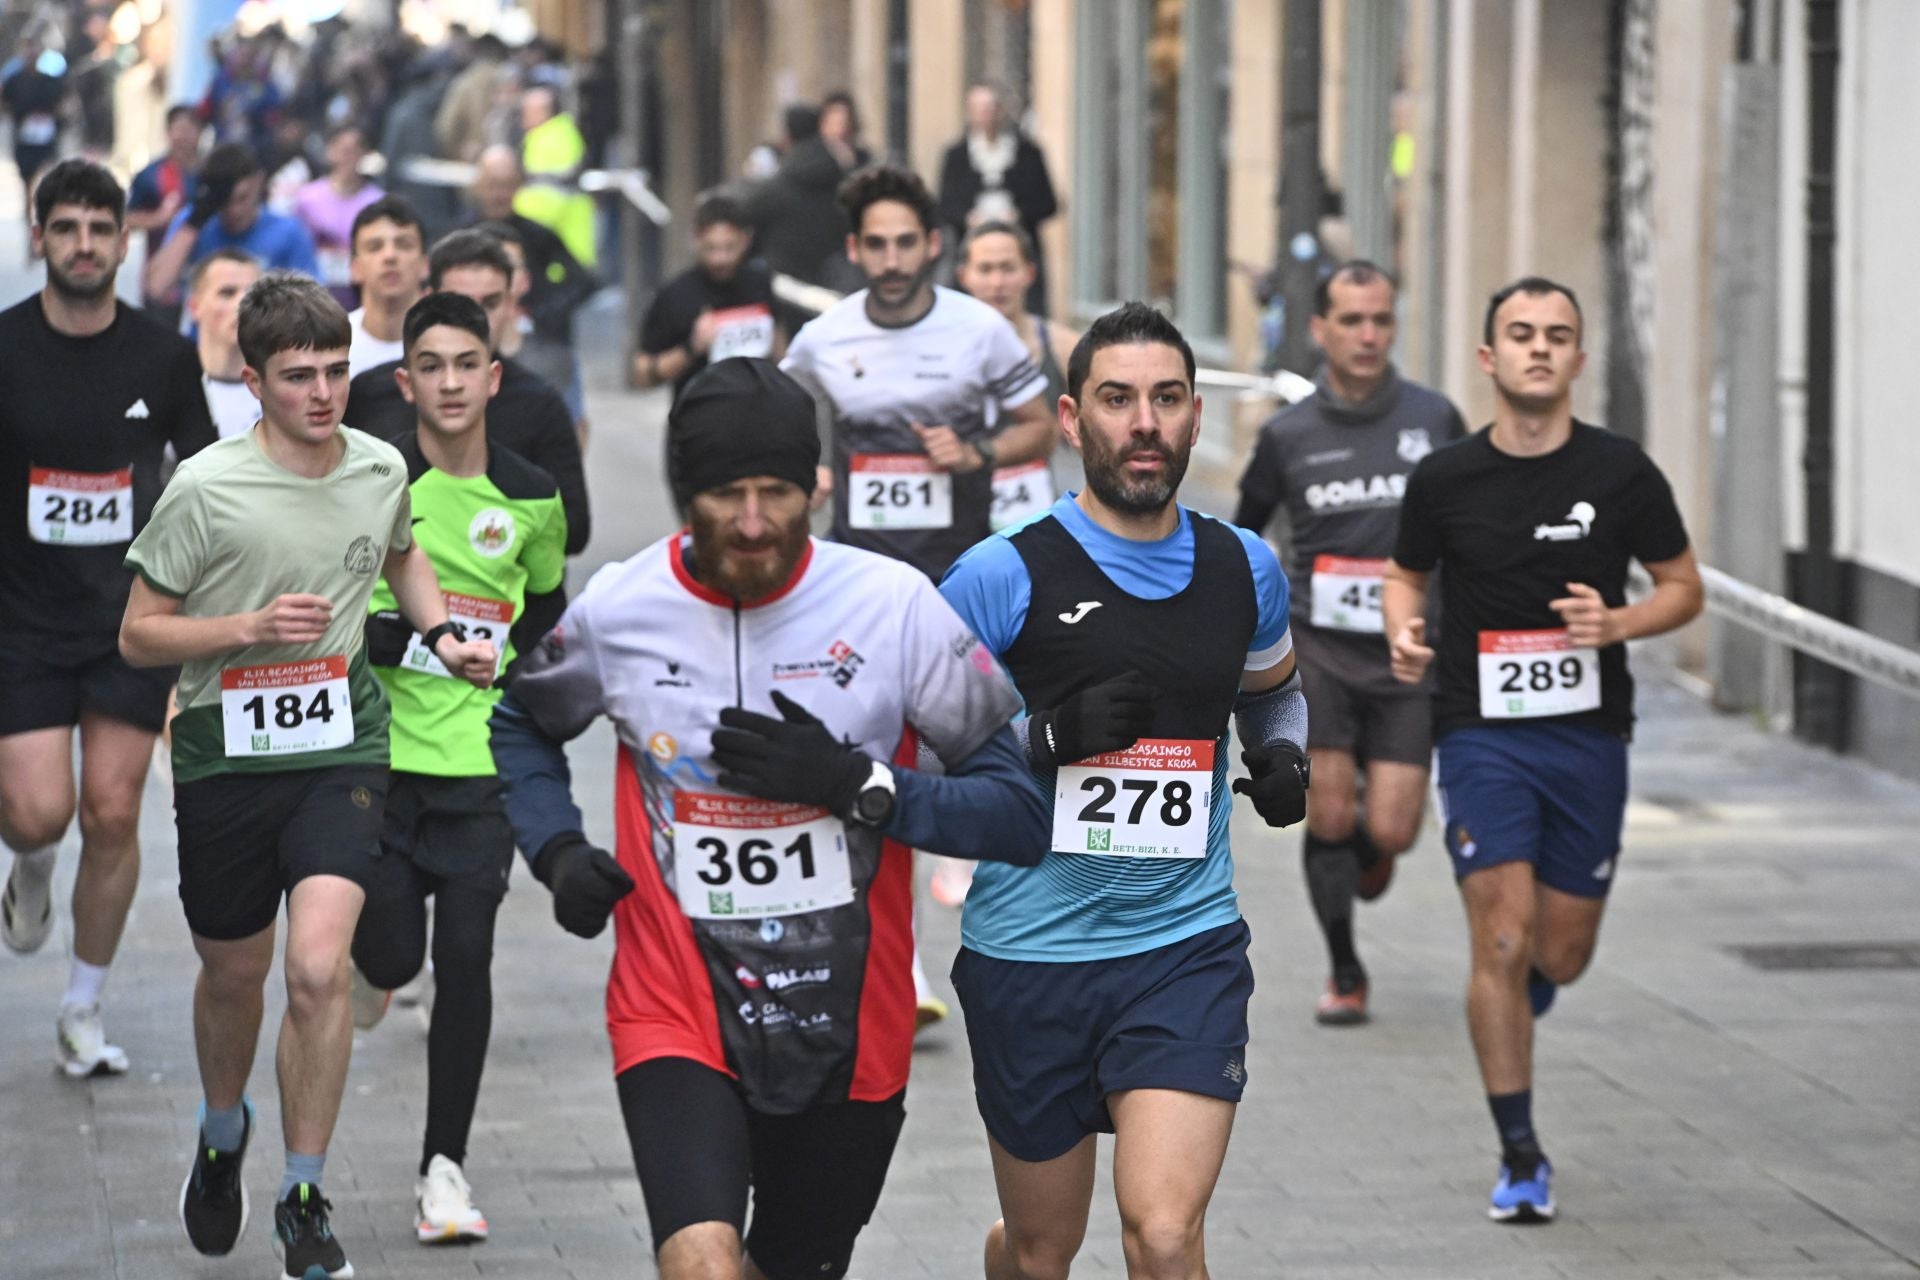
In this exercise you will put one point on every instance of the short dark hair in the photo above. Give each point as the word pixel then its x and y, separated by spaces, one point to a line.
pixel 801 122
pixel 842 98
pixel 1130 323
pixel 347 126
pixel 868 187
pixel 80 182
pixel 395 209
pixel 1532 286
pixel 179 109
pixel 995 227
pixel 225 253
pixel 230 164
pixel 1356 271
pixel 290 311
pixel 469 248
pixel 504 232
pixel 455 310
pixel 717 209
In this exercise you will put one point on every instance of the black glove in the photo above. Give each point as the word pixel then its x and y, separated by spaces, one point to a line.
pixel 1278 787
pixel 1109 716
pixel 795 759
pixel 586 882
pixel 209 198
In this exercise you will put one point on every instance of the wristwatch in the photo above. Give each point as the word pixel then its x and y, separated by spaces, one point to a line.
pixel 435 634
pixel 873 806
pixel 984 447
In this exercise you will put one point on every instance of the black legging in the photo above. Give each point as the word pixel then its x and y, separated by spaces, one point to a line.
pixel 389 946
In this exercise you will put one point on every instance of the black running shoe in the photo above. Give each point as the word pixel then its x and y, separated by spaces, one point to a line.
pixel 213 1203
pixel 306 1238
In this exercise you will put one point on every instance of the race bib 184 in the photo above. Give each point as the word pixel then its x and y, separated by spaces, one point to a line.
pixel 737 856
pixel 898 491
pixel 482 619
pixel 1149 801
pixel 1346 594
pixel 1524 674
pixel 79 508
pixel 285 708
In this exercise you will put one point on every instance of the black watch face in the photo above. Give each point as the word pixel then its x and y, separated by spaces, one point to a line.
pixel 874 805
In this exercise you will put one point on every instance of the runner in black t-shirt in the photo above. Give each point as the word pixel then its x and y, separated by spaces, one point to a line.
pixel 1534 521
pixel 722 307
pixel 1337 463
pixel 91 394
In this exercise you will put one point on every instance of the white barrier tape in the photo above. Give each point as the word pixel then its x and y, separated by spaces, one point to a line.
pixel 631 183
pixel 1816 635
pixel 1288 387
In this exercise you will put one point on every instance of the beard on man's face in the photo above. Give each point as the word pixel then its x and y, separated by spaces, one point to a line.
pixel 80 290
pixel 722 558
pixel 1107 475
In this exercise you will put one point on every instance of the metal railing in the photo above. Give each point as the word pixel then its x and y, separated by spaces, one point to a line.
pixel 1814 634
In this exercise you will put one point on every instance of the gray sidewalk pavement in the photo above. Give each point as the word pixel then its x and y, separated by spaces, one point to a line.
pixel 1707 1118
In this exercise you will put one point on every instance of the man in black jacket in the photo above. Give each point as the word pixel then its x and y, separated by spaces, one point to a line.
pixel 996 173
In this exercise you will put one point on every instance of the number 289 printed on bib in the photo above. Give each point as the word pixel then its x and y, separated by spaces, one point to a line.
pixel 1149 801
pixel 1527 674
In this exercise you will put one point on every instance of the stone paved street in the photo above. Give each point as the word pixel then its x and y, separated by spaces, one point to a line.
pixel 1708 1119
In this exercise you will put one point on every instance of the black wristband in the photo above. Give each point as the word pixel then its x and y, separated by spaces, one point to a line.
pixel 447 628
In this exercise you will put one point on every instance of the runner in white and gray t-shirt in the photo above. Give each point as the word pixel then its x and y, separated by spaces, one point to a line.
pixel 1338 462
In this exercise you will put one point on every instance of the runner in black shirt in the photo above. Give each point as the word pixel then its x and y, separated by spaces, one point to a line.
pixel 91 395
pixel 1533 522
pixel 719 308
pixel 1337 463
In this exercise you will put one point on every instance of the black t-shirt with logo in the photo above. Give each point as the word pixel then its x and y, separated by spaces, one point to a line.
pixel 747 298
pixel 1339 471
pixel 1510 533
pixel 84 425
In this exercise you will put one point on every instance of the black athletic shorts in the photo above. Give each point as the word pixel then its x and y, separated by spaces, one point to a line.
pixel 46 681
pixel 815 1175
pixel 1354 703
pixel 450 828
pixel 247 838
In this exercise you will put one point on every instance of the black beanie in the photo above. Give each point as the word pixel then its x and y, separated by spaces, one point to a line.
pixel 737 418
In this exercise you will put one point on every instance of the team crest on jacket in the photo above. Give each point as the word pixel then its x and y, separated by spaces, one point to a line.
pixel 1414 444
pixel 491 533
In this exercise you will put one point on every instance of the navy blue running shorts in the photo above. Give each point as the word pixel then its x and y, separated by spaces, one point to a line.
pixel 1554 795
pixel 1051 1041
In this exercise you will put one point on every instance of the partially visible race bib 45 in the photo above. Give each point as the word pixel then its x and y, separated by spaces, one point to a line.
pixel 286 708
pixel 736 856
pixel 1346 594
pixel 1149 801
pixel 1524 674
pixel 79 508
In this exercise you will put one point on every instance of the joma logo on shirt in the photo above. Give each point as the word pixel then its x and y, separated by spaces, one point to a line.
pixel 1360 490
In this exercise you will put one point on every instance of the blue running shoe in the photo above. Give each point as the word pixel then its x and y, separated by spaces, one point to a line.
pixel 1523 1195
pixel 1540 991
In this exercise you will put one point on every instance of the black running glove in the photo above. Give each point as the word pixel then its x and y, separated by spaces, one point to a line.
pixel 209 198
pixel 1109 716
pixel 1278 787
pixel 586 882
pixel 795 758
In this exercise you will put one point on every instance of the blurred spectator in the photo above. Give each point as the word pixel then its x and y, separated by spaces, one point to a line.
pixel 326 207
pixel 552 153
pixel 840 131
pixel 798 122
pixel 389 264
pixel 243 102
pixel 409 132
pixel 801 227
pixel 996 174
pixel 720 307
pixel 33 88
pixel 555 363
pixel 227 208
pixel 160 191
pixel 219 281
pixel 289 162
pixel 557 284
pixel 460 126
pixel 140 102
pixel 96 68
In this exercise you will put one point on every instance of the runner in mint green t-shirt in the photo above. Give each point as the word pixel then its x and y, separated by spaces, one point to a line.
pixel 493 526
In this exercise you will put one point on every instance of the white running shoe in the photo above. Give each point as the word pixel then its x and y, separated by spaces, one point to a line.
pixel 26 905
pixel 84 1050
pixel 446 1213
pixel 369 1002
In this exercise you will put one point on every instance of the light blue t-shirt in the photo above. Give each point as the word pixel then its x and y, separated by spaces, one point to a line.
pixel 277 240
pixel 1073 907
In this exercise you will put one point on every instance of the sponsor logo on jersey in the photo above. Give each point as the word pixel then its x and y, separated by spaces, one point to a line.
pixel 1370 491
pixel 841 665
pixel 361 558
pixel 771 931
pixel 1579 523
pixel 745 976
pixel 1080 611
pixel 672 679
pixel 1414 444
pixel 1326 457
pixel 781 979
pixel 491 532
pixel 138 409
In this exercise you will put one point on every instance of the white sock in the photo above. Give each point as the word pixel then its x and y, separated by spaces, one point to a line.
pixel 35 867
pixel 922 989
pixel 84 983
